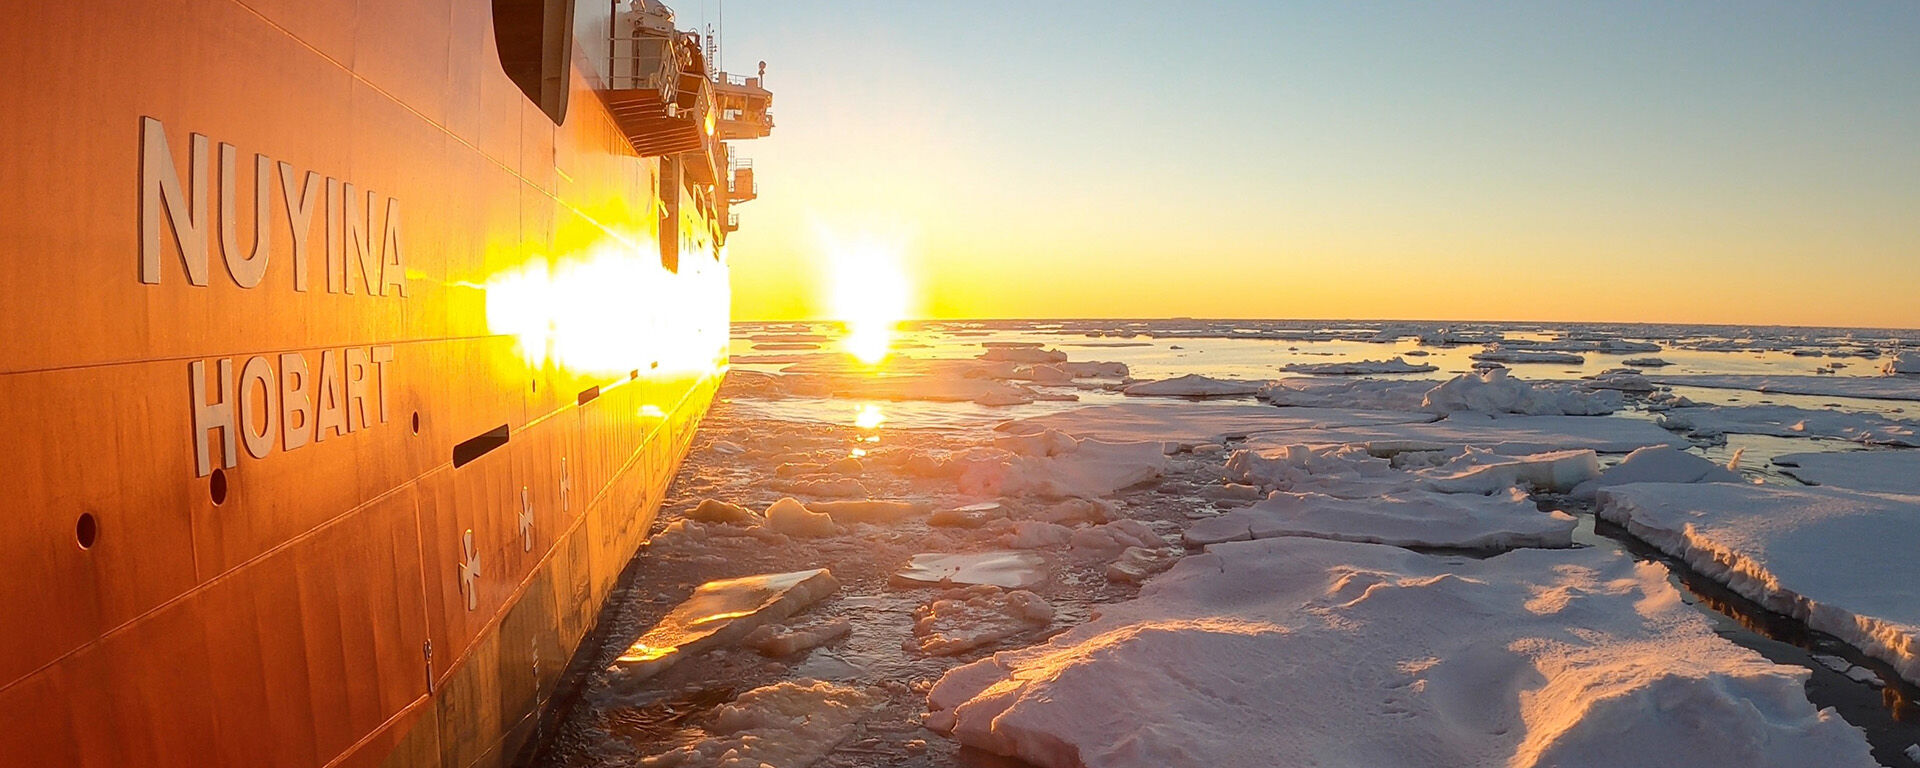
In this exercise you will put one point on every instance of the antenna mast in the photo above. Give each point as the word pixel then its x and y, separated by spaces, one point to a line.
pixel 713 52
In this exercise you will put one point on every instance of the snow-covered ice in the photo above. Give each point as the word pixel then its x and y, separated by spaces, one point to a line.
pixel 1492 391
pixel 1487 472
pixel 1496 391
pixel 1343 458
pixel 1059 466
pixel 1407 519
pixel 1193 385
pixel 1889 471
pixel 1623 380
pixel 1792 421
pixel 1189 424
pixel 1658 464
pixel 1137 564
pixel 1511 435
pixel 1869 387
pixel 1346 471
pixel 1501 353
pixel 1841 561
pixel 1295 651
pixel 1360 367
pixel 1370 394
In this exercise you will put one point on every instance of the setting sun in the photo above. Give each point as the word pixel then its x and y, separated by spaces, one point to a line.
pixel 869 292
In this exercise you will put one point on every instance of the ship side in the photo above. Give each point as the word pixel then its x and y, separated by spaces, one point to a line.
pixel 346 351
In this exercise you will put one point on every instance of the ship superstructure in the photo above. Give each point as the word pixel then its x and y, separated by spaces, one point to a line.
pixel 346 349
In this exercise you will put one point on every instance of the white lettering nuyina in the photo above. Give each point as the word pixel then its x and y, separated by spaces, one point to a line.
pixel 297 404
pixel 353 254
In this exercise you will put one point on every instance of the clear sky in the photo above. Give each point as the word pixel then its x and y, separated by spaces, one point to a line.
pixel 1739 162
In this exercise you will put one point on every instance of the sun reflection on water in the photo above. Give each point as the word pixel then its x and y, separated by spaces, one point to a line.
pixel 869 416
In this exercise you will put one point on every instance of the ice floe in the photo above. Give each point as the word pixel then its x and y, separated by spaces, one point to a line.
pixel 719 613
pixel 1369 394
pixel 1512 435
pixel 1360 367
pixel 1021 352
pixel 1658 464
pixel 1295 651
pixel 1495 391
pixel 1485 472
pixel 1137 564
pixel 1190 424
pixel 778 640
pixel 790 517
pixel 1623 380
pixel 717 511
pixel 960 620
pixel 1869 387
pixel 1502 353
pixel 1012 570
pixel 1792 421
pixel 1841 561
pixel 1406 519
pixel 1053 464
pixel 1346 471
pixel 1890 471
pixel 1193 385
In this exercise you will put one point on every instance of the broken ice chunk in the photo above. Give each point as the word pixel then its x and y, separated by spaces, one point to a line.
pixel 718 613
pixel 1012 570
pixel 792 518
pixel 1137 564
pixel 1484 473
pixel 717 511
pixel 777 641
pixel 790 724
pixel 960 620
pixel 1658 464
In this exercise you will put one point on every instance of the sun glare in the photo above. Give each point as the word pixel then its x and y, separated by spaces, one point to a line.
pixel 869 294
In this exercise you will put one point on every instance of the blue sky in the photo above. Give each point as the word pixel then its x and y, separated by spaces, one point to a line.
pixel 1343 159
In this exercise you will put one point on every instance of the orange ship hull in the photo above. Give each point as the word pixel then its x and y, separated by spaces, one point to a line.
pixel 304 473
